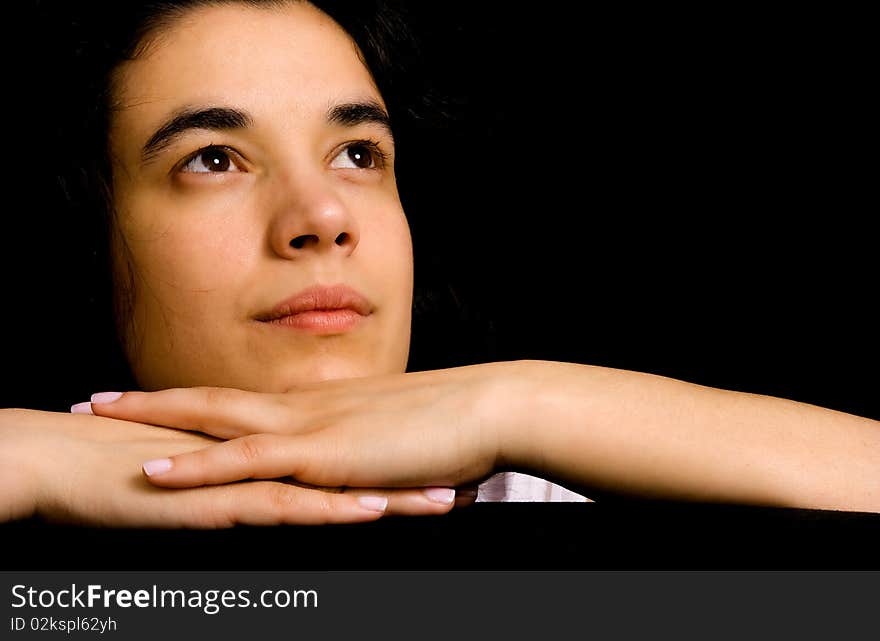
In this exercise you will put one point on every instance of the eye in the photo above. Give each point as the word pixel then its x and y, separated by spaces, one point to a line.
pixel 363 154
pixel 210 160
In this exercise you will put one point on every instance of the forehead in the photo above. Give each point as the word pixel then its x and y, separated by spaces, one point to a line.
pixel 265 59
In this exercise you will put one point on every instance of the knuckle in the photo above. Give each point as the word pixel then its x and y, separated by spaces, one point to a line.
pixel 213 396
pixel 283 498
pixel 290 504
pixel 326 506
pixel 252 448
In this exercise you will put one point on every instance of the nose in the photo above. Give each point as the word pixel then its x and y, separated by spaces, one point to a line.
pixel 311 218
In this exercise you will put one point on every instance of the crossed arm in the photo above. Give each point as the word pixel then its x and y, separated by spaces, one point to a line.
pixel 603 431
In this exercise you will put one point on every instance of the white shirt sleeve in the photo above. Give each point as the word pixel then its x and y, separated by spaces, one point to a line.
pixel 511 487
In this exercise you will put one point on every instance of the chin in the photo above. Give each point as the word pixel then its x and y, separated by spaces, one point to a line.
pixel 326 368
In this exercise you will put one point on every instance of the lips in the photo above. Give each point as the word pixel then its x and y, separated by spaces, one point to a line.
pixel 319 298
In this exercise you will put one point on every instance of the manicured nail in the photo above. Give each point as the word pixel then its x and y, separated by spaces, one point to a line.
pixel 157 466
pixel 375 503
pixel 81 408
pixel 443 495
pixel 105 397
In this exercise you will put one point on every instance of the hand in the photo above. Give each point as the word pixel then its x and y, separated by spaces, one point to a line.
pixel 612 432
pixel 439 428
pixel 72 468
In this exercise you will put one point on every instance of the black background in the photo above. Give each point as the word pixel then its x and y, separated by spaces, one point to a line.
pixel 667 191
pixel 656 535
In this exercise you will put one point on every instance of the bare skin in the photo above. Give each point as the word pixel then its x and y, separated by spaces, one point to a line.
pixel 77 469
pixel 614 431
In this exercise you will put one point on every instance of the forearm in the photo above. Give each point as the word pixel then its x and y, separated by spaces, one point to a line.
pixel 632 433
pixel 18 485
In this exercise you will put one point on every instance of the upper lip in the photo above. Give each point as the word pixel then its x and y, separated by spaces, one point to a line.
pixel 319 297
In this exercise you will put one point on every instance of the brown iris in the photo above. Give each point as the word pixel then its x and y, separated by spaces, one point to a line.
pixel 361 156
pixel 215 159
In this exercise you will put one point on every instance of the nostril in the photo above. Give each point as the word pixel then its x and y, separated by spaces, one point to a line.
pixel 300 241
pixel 341 238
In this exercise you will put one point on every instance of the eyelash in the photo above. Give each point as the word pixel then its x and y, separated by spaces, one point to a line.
pixel 380 158
pixel 233 155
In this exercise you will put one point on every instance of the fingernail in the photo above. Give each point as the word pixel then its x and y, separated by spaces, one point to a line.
pixel 157 466
pixel 443 495
pixel 105 397
pixel 81 408
pixel 375 503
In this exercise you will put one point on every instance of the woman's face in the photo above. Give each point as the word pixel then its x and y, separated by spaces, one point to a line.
pixel 247 149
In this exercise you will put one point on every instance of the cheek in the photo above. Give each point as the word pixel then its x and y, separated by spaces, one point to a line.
pixel 196 261
pixel 187 274
pixel 394 253
pixel 189 264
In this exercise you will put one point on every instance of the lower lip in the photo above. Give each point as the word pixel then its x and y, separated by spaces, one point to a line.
pixel 319 322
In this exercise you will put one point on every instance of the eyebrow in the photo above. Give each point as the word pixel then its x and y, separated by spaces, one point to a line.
pixel 350 114
pixel 211 118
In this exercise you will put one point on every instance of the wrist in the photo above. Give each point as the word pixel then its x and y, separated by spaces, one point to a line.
pixel 559 411
pixel 523 403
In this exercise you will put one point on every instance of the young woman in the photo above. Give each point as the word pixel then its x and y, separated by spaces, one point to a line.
pixel 263 272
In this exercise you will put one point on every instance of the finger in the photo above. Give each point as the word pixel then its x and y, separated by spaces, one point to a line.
pixel 258 456
pixel 267 503
pixel 218 411
pixel 408 501
pixel 412 502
